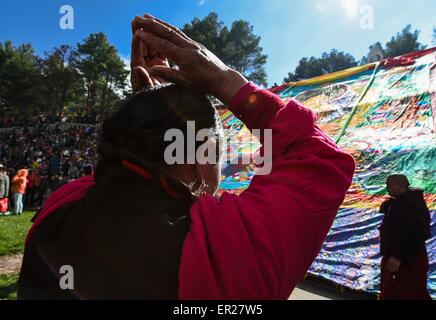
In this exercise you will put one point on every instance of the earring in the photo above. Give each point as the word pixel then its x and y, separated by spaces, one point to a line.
pixel 201 190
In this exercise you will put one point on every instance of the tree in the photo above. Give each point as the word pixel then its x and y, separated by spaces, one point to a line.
pixel 238 47
pixel 63 84
pixel 404 42
pixel 328 63
pixel 89 79
pixel 210 32
pixel 103 71
pixel 243 52
pixel 336 61
pixel 20 80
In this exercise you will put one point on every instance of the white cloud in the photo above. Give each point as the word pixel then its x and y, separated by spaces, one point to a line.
pixel 350 7
pixel 126 60
pixel 201 2
pixel 320 7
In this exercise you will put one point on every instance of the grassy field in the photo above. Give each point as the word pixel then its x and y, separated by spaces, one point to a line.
pixel 13 231
pixel 8 286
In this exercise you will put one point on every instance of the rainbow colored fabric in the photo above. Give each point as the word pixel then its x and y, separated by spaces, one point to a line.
pixel 382 116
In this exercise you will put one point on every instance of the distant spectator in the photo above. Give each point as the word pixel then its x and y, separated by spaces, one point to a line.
pixel 19 183
pixel 54 165
pixel 65 167
pixel 88 170
pixel 43 191
pixel 36 164
pixel 30 188
pixel 4 191
pixel 73 171
pixel 56 182
pixel 36 187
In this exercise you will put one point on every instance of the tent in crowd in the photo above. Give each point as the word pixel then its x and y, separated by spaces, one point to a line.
pixel 384 114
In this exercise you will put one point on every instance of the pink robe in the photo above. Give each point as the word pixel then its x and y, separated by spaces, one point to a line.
pixel 260 244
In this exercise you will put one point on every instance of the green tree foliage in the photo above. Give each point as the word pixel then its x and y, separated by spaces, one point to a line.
pixel 103 71
pixel 89 79
pixel 63 85
pixel 328 63
pixel 237 47
pixel 403 42
pixel 20 80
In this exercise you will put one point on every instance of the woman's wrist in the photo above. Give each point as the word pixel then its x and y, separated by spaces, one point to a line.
pixel 230 83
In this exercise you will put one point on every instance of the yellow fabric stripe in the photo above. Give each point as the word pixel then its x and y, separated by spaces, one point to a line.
pixel 332 76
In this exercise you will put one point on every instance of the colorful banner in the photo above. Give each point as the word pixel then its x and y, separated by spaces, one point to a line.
pixel 383 117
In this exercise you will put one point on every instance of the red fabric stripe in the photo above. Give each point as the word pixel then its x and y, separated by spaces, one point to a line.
pixel 126 164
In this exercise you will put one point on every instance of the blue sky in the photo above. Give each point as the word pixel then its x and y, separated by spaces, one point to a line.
pixel 290 29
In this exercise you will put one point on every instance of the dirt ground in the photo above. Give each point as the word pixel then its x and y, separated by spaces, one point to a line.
pixel 10 264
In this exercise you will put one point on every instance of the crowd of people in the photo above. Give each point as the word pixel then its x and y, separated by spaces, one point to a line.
pixel 38 159
pixel 71 116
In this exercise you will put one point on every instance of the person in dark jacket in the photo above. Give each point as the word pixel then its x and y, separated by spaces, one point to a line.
pixel 54 166
pixel 403 233
pixel 4 191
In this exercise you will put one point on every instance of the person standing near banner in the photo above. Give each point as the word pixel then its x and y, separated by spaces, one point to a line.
pixel 403 233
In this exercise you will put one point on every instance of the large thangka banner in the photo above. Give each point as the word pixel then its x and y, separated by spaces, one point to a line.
pixel 383 117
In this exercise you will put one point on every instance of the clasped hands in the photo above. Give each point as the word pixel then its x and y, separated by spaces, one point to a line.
pixel 156 42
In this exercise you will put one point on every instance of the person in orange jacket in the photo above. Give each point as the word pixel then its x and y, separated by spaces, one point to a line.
pixel 19 183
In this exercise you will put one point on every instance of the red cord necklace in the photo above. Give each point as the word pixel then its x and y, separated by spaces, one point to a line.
pixel 146 175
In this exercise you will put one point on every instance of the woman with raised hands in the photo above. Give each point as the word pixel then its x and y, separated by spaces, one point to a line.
pixel 146 229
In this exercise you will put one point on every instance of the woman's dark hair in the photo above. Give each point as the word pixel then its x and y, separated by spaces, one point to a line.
pixel 135 132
